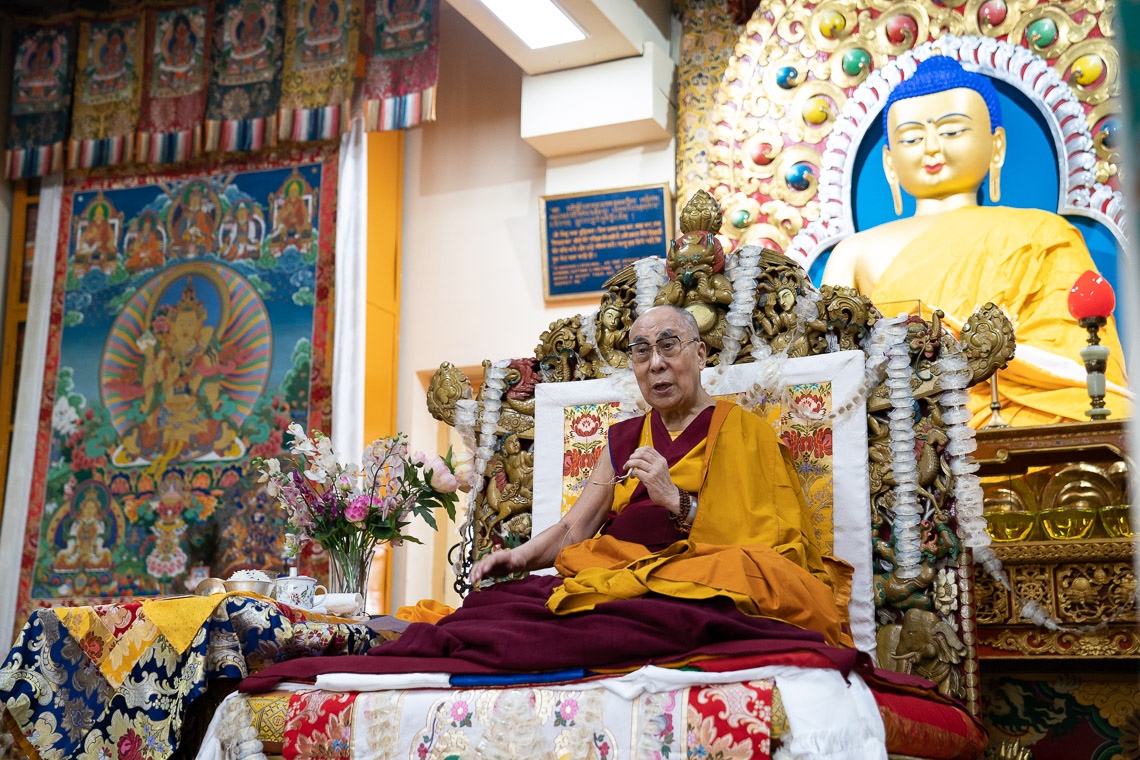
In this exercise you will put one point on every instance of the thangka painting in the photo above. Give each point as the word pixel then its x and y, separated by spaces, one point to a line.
pixel 174 103
pixel 245 87
pixel 320 58
pixel 401 44
pixel 41 100
pixel 190 326
pixel 108 93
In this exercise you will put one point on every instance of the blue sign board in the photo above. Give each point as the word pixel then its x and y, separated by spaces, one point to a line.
pixel 589 237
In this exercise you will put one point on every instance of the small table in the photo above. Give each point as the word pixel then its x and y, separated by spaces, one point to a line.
pixel 116 680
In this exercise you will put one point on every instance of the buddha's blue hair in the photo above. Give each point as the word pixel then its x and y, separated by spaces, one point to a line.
pixel 938 74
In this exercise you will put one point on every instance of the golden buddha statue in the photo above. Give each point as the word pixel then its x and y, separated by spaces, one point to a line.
pixel 944 136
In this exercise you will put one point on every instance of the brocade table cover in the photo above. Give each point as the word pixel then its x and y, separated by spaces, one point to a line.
pixel 113 682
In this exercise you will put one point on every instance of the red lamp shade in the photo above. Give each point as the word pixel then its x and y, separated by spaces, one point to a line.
pixel 1091 296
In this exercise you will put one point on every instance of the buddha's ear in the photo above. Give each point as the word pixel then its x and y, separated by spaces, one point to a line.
pixel 893 179
pixel 997 160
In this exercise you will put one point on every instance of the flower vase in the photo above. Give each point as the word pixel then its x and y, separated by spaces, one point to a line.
pixel 349 568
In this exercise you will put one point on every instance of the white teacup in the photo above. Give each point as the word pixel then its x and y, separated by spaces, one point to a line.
pixel 299 591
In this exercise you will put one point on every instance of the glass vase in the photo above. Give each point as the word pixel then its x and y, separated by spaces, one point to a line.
pixel 349 567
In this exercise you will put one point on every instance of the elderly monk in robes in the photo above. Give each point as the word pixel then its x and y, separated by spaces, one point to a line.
pixel 691 540
pixel 944 135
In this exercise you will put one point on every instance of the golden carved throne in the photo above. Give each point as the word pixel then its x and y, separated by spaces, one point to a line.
pixel 921 621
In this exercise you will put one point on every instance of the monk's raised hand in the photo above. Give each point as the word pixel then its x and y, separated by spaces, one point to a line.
pixel 648 465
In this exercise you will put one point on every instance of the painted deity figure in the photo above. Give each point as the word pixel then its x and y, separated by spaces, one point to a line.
pixel 110 63
pixel 167 558
pixel 145 249
pixel 322 20
pixel 323 38
pixel 85 549
pixel 182 369
pixel 293 225
pixel 249 33
pixel 944 136
pixel 97 247
pixel 195 230
pixel 38 83
pixel 178 61
pixel 242 233
pixel 406 23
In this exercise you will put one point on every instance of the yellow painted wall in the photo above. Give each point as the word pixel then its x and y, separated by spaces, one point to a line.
pixel 382 338
pixel 381 341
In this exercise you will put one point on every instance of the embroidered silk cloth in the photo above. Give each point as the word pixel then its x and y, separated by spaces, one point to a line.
pixel 245 84
pixel 320 58
pixel 403 63
pixel 41 100
pixel 108 91
pixel 732 720
pixel 174 103
pixel 115 681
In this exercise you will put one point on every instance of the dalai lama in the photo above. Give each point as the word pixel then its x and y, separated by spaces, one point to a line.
pixel 690 541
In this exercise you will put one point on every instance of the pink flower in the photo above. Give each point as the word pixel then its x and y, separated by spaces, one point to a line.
pixel 569 709
pixel 419 457
pixel 459 711
pixel 465 474
pixel 442 478
pixel 357 509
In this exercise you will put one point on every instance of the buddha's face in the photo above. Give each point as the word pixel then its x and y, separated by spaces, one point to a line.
pixel 941 144
pixel 184 329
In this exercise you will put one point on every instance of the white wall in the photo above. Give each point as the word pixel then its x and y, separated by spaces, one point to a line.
pixel 472 256
pixel 472 271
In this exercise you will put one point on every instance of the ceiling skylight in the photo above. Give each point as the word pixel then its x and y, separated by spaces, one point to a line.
pixel 538 23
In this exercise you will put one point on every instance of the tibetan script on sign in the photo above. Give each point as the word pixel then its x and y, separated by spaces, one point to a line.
pixel 589 237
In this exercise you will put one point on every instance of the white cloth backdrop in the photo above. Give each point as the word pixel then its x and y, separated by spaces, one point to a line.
pixel 350 295
pixel 30 389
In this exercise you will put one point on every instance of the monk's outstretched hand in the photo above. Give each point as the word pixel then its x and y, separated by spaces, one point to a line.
pixel 648 465
pixel 495 565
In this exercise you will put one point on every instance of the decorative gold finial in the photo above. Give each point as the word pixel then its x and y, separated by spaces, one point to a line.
pixel 996 420
pixel 701 213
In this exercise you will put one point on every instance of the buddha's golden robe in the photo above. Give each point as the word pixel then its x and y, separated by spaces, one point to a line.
pixel 1024 261
pixel 750 541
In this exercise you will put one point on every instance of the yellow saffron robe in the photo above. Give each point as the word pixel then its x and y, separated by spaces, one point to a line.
pixel 750 541
pixel 1024 261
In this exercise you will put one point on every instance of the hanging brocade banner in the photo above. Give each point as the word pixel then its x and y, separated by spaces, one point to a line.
pixel 245 87
pixel 403 63
pixel 108 92
pixel 320 58
pixel 174 102
pixel 41 100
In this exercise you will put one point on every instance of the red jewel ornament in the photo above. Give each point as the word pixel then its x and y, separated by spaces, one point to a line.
pixel 1091 296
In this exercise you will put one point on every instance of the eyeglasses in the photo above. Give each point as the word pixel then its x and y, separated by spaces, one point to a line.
pixel 667 348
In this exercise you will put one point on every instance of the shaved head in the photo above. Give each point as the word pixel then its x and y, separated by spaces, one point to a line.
pixel 688 321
